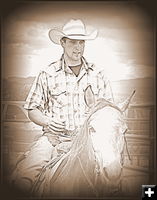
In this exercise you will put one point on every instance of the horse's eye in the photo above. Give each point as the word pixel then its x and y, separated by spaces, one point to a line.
pixel 92 129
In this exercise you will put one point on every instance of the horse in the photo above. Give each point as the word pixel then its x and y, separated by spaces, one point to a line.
pixel 92 164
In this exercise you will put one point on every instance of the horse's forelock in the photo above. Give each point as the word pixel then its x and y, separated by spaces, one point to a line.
pixel 100 104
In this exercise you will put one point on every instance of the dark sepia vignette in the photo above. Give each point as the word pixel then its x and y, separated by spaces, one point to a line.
pixel 8 8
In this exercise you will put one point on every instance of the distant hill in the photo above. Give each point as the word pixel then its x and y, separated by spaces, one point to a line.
pixel 17 88
pixel 27 80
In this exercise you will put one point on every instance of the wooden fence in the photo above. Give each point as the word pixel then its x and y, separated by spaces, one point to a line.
pixel 141 143
pixel 139 165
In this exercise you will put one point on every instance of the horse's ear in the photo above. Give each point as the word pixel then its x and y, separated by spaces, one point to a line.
pixel 125 104
pixel 89 96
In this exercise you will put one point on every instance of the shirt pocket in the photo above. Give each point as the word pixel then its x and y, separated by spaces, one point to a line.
pixel 58 98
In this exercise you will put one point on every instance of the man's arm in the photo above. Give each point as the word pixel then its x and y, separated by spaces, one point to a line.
pixel 36 116
pixel 40 119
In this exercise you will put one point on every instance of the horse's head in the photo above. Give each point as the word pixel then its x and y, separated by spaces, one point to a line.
pixel 107 125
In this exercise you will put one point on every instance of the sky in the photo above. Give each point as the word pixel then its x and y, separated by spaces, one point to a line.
pixel 124 46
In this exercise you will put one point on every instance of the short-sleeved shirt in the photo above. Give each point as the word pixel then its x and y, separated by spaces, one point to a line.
pixel 58 93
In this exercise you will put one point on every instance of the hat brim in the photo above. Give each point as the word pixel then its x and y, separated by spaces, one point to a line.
pixel 56 35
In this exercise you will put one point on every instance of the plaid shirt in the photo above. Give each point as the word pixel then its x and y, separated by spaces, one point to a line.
pixel 58 93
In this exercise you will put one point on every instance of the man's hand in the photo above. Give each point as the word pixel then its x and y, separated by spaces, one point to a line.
pixel 40 119
pixel 55 125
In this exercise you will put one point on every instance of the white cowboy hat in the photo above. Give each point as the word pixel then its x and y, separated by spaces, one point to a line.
pixel 74 29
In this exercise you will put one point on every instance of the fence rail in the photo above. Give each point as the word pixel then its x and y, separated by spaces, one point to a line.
pixel 140 137
pixel 139 118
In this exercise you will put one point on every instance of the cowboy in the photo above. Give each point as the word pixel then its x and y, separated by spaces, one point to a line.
pixel 56 100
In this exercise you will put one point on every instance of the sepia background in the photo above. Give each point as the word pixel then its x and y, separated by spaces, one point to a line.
pixel 124 48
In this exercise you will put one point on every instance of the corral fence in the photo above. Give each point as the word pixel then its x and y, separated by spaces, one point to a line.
pixel 141 144
pixel 139 165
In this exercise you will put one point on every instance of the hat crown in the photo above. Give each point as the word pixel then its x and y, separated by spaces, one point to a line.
pixel 74 27
pixel 74 30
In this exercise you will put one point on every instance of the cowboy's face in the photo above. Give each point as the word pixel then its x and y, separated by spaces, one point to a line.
pixel 73 49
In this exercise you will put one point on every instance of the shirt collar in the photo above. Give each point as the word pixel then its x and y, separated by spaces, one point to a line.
pixel 87 65
pixel 61 65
